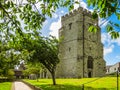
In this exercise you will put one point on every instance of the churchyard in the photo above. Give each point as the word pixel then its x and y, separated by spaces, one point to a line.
pixel 98 83
pixel 105 83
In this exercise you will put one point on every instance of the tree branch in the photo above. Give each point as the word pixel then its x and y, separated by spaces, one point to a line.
pixel 36 9
pixel 5 11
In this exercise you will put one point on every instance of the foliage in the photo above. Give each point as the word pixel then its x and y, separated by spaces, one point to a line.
pixel 38 49
pixel 33 68
pixel 27 15
pixel 106 9
pixel 106 83
pixel 7 59
pixel 26 72
pixel 11 73
pixel 46 53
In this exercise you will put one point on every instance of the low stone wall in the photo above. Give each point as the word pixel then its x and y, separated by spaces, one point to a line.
pixel 5 80
pixel 31 86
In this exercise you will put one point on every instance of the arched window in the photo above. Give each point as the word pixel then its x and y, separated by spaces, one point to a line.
pixel 90 62
pixel 70 26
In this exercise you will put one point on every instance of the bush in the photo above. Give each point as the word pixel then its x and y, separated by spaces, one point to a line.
pixel 10 74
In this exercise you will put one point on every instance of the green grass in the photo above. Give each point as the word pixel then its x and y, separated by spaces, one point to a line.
pixel 106 83
pixel 5 85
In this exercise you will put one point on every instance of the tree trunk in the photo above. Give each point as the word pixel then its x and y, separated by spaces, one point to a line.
pixel 37 78
pixel 53 77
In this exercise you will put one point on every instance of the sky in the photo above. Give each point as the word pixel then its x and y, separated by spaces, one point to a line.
pixel 111 47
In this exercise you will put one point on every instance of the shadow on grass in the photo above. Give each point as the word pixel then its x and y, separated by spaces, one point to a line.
pixel 68 87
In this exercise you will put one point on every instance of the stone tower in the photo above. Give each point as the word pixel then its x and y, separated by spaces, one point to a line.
pixel 80 52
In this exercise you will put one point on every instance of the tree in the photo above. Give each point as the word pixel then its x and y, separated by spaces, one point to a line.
pixel 50 59
pixel 46 52
pixel 38 49
pixel 105 9
pixel 7 60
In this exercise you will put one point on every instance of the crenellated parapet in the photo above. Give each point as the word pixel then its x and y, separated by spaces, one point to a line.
pixel 80 10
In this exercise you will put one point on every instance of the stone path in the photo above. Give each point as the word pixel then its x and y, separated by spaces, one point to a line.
pixel 21 86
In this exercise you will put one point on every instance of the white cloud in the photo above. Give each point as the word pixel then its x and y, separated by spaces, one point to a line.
pixel 82 4
pixel 62 12
pixel 55 15
pixel 103 38
pixel 76 5
pixel 109 43
pixel 106 38
pixel 108 50
pixel 58 14
pixel 55 26
pixel 117 41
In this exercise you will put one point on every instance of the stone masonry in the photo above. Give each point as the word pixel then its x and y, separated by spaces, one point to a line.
pixel 80 51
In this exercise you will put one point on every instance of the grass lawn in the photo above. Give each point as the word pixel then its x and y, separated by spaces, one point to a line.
pixel 5 85
pixel 106 83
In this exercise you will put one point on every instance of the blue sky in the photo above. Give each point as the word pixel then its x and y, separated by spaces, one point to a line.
pixel 111 47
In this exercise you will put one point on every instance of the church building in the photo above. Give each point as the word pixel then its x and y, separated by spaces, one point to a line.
pixel 80 51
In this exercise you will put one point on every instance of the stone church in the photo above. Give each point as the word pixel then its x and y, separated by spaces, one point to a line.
pixel 80 51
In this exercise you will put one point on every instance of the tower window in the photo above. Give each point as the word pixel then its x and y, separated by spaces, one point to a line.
pixel 90 62
pixel 70 25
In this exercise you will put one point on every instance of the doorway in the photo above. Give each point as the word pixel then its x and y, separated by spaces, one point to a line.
pixel 89 74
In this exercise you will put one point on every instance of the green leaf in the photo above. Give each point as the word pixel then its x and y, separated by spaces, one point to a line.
pixel 67 2
pixel 109 28
pixel 92 29
pixel 25 27
pixel 118 16
pixel 8 4
pixel 71 7
pixel 11 4
pixel 94 15
pixel 14 10
pixel 19 10
pixel 76 2
pixel 21 16
pixel 117 25
pixel 114 34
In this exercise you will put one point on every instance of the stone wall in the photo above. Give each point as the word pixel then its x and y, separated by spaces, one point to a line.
pixel 113 68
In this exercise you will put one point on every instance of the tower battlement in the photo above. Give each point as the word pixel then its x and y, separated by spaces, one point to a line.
pixel 77 11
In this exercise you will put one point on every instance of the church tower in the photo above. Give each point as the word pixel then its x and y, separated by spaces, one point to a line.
pixel 80 51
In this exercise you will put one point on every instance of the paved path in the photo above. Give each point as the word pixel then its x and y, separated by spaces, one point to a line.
pixel 21 86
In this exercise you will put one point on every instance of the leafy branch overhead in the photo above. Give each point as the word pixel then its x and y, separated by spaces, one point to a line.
pixel 29 15
pixel 105 9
